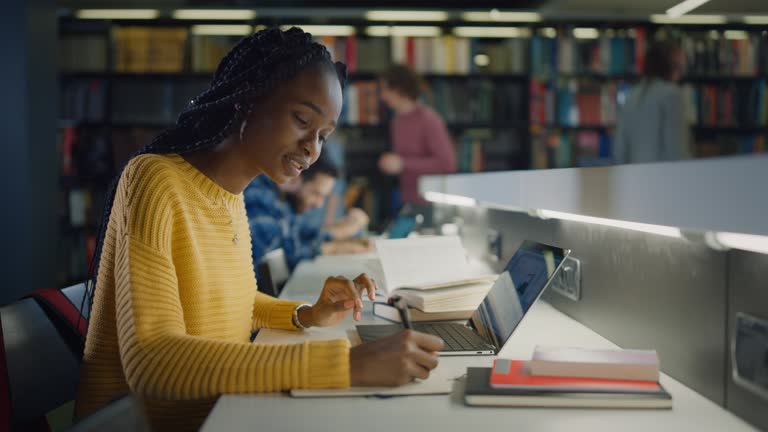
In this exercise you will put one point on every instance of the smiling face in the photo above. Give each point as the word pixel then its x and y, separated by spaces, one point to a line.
pixel 287 128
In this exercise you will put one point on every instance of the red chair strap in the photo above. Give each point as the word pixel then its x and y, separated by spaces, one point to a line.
pixel 55 301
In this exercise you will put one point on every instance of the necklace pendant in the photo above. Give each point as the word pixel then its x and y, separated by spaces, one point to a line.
pixel 235 240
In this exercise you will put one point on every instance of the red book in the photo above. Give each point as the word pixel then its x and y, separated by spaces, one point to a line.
pixel 410 52
pixel 514 374
pixel 351 54
pixel 67 146
pixel 640 42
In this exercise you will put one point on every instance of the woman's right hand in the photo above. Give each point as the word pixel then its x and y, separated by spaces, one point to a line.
pixel 394 360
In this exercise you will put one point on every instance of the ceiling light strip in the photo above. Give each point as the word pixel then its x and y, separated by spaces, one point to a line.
pixel 214 14
pixel 117 14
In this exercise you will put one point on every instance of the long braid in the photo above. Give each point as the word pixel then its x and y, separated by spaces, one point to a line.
pixel 255 66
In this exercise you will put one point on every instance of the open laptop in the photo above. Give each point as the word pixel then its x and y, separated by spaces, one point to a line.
pixel 402 226
pixel 525 277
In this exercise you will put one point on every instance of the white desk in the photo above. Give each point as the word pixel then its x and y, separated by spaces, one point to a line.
pixel 447 413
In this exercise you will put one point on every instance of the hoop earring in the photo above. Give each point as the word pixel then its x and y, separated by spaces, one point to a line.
pixel 242 129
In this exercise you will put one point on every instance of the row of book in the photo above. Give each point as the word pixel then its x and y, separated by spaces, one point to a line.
pixel 83 53
pixel 362 104
pixel 152 102
pixel 92 156
pixel 585 102
pixel 84 153
pixel 479 150
pixel 565 149
pixel 145 49
pixel 89 158
pixel 83 100
pixel 140 49
pixel 572 102
pixel 610 54
pixel 622 52
pixel 475 101
pixel 478 101
pixel 730 105
pixel 156 101
pixel 149 49
pixel 208 50
pixel 719 56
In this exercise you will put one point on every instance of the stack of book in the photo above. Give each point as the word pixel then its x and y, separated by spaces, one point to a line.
pixel 571 377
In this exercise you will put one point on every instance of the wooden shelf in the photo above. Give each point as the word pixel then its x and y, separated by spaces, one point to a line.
pixel 597 76
pixel 736 130
pixel 722 79
pixel 576 128
pixel 130 76
pixel 369 76
pixel 460 125
pixel 75 182
pixel 355 76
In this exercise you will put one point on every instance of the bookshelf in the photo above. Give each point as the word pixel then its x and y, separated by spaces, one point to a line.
pixel 543 100
pixel 575 87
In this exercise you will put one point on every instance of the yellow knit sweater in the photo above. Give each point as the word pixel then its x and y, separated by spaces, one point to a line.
pixel 176 302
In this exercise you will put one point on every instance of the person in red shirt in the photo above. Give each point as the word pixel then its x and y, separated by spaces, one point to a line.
pixel 420 141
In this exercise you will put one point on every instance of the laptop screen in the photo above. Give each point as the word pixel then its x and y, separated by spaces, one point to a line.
pixel 401 226
pixel 526 275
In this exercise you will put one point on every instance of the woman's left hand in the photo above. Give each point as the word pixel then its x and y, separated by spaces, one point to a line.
pixel 340 296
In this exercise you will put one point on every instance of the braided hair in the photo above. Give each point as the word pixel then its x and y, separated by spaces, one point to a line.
pixel 254 67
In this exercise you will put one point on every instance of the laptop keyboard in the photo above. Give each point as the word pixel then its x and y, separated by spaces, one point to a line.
pixel 455 336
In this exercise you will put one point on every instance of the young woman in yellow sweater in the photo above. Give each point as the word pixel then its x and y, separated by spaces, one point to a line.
pixel 175 296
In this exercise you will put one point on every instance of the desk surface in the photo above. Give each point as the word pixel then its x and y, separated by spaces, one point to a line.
pixel 543 325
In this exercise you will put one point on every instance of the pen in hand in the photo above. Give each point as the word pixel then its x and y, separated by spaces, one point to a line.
pixel 402 307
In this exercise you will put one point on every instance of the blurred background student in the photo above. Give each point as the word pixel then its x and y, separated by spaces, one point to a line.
pixel 277 215
pixel 333 216
pixel 420 140
pixel 652 125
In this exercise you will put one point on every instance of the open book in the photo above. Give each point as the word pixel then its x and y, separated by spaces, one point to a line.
pixel 431 274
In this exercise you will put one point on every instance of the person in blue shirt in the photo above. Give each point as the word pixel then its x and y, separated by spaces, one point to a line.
pixel 333 217
pixel 278 216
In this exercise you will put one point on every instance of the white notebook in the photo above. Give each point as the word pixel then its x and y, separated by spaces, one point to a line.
pixel 440 381
pixel 627 364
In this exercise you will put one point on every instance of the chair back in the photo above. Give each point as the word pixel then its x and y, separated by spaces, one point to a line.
pixel 122 415
pixel 40 350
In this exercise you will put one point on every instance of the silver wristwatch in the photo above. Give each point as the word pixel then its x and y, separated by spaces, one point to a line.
pixel 295 317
